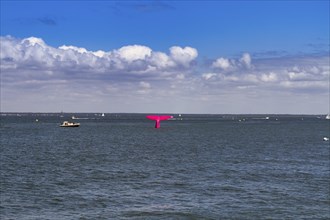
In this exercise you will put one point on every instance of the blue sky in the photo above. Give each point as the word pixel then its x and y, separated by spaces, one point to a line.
pixel 165 56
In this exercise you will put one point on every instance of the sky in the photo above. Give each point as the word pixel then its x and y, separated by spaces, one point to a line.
pixel 208 57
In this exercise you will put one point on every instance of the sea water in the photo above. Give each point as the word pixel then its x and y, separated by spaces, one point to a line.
pixel 194 167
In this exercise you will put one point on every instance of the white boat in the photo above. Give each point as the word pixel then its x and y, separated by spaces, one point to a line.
pixel 74 118
pixel 327 117
pixel 69 124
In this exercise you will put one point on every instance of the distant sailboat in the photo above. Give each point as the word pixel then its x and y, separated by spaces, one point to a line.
pixel 103 115
pixel 327 117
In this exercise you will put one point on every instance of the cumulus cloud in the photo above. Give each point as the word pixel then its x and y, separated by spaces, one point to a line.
pixel 73 48
pixel 134 52
pixel 270 77
pixel 131 59
pixel 221 63
pixel 228 65
pixel 32 70
pixel 208 76
pixel 246 60
pixel 32 41
pixel 183 56
pixel 302 73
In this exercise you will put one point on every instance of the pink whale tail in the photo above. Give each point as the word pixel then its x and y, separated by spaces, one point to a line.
pixel 158 118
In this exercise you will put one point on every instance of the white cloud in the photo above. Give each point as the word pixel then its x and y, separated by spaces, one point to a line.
pixel 228 65
pixel 33 72
pixel 277 72
pixel 33 41
pixel 208 76
pixel 183 56
pixel 271 77
pixel 221 63
pixel 246 60
pixel 160 60
pixel 78 49
pixel 99 53
pixel 134 52
pixel 132 59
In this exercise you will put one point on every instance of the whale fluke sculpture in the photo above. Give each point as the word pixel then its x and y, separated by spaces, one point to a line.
pixel 158 118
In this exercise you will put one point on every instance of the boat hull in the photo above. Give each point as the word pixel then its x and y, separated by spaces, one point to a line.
pixel 69 126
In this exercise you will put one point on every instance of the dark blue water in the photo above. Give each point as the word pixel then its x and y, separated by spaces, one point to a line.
pixel 201 167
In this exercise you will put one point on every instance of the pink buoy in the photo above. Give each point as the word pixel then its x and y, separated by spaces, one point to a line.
pixel 158 118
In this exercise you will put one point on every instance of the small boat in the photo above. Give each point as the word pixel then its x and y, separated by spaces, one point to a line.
pixel 69 124
pixel 327 117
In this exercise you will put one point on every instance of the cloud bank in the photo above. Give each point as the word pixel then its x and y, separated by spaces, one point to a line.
pixel 135 78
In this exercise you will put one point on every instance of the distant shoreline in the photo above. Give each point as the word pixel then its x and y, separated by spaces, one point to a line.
pixel 175 114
